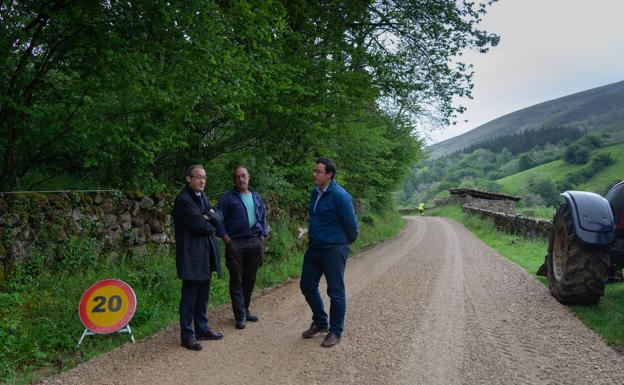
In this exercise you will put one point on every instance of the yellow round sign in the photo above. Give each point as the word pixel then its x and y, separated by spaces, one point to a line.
pixel 107 306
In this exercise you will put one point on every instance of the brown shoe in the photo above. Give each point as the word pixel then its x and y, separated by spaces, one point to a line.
pixel 330 340
pixel 314 330
pixel 209 335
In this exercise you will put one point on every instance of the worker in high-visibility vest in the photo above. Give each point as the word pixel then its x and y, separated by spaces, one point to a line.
pixel 421 208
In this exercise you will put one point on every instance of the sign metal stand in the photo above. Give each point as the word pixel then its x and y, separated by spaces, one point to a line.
pixel 87 332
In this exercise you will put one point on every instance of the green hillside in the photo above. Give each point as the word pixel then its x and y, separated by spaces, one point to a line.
pixel 597 109
pixel 517 184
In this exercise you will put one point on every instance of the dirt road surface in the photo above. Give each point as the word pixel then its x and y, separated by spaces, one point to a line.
pixel 433 306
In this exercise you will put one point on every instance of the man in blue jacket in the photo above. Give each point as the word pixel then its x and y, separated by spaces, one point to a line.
pixel 243 232
pixel 332 228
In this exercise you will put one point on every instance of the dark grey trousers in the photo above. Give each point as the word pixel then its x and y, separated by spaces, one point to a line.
pixel 243 257
pixel 193 306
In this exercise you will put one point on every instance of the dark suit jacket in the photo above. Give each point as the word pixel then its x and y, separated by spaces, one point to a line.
pixel 197 249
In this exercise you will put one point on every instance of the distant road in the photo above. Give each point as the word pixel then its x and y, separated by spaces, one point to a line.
pixel 433 306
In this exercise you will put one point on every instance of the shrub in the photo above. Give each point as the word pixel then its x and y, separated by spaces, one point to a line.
pixel 569 155
pixel 602 160
pixel 590 140
pixel 532 199
pixel 581 175
pixel 582 155
pixel 546 188
pixel 525 162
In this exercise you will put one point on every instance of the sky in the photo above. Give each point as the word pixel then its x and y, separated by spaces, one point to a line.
pixel 548 49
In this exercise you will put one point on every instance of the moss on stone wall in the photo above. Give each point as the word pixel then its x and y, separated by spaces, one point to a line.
pixel 134 195
pixel 45 222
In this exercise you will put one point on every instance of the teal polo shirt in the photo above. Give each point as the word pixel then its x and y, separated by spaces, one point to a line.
pixel 251 210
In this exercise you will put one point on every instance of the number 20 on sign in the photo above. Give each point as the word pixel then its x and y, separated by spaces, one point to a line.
pixel 107 307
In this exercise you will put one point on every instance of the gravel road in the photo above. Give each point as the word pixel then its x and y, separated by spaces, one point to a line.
pixel 433 306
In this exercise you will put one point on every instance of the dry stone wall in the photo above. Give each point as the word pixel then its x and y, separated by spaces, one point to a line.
pixel 494 205
pixel 119 221
pixel 513 223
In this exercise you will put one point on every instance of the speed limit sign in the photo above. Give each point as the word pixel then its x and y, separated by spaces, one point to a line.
pixel 107 307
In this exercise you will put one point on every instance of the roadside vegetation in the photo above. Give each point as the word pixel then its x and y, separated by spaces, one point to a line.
pixel 606 318
pixel 39 323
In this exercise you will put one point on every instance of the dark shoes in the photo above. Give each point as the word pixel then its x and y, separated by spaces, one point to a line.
pixel 241 323
pixel 330 340
pixel 209 335
pixel 192 344
pixel 314 330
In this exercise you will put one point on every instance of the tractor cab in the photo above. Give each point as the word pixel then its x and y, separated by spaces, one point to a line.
pixel 615 196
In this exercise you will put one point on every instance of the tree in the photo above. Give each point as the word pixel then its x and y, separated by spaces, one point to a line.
pixel 581 156
pixel 576 153
pixel 602 160
pixel 525 162
pixel 546 188
pixel 569 155
pixel 125 94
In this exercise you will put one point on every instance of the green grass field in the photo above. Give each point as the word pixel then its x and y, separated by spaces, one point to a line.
pixel 606 318
pixel 516 184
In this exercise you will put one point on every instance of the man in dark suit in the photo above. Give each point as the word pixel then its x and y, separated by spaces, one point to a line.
pixel 197 256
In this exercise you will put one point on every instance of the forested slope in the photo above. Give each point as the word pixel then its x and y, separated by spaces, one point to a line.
pixel 590 110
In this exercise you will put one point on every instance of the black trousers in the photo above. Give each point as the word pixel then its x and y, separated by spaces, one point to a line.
pixel 193 306
pixel 243 258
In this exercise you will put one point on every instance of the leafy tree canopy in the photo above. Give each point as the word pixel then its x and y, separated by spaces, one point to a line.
pixel 125 94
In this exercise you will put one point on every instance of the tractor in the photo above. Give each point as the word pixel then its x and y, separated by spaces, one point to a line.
pixel 586 245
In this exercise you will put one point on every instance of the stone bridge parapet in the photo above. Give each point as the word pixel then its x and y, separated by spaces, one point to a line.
pixel 513 223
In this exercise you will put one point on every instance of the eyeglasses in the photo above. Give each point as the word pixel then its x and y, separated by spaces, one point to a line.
pixel 198 177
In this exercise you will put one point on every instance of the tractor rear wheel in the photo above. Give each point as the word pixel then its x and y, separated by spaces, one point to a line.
pixel 577 272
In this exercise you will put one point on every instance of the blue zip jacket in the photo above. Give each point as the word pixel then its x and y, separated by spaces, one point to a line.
pixel 333 221
pixel 235 221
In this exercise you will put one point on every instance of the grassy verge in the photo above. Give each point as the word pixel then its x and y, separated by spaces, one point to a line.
pixel 606 318
pixel 39 323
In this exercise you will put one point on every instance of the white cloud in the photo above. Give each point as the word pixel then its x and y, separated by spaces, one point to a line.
pixel 548 49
